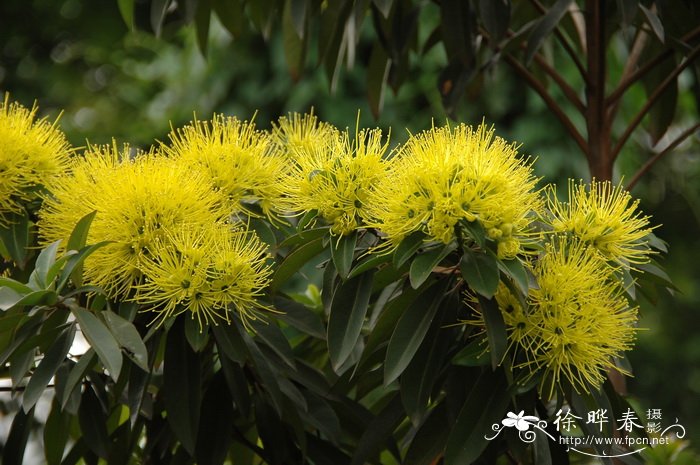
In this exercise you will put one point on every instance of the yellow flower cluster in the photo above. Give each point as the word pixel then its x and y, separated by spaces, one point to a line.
pixel 150 210
pixel 336 177
pixel 604 216
pixel 239 161
pixel 445 176
pixel 33 152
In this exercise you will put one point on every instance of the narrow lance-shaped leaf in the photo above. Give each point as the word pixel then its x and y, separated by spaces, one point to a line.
pixel 100 339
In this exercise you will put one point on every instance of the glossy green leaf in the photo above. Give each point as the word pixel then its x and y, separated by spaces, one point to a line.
pixel 384 6
pixel 46 258
pixel 79 235
pixel 298 10
pixel 126 9
pixel 473 354
pixel 293 43
pixel 480 271
pixel 496 17
pixel 15 237
pixel 16 443
pixel 136 392
pixel 216 434
pixel 410 331
pixel 93 423
pixel 495 330
pixel 408 246
pixel 16 286
pixel 197 336
pixel 378 432
pixel 295 260
pixel 231 13
pixel 56 433
pixel 300 317
pixel 271 335
pixel 423 265
pixel 128 338
pixel 181 386
pixel 100 339
pixel 544 27
pixel 158 10
pixel 76 375
pixel 9 298
pixel 53 358
pixel 237 385
pixel 517 272
pixel 368 263
pixel 342 252
pixel 429 442
pixel 202 20
pixel 348 311
pixel 377 75
pixel 74 266
pixel 485 404
pixel 230 342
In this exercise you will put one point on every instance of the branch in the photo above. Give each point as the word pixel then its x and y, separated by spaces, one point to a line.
pixel 652 99
pixel 568 91
pixel 638 45
pixel 647 166
pixel 648 66
pixel 564 43
pixel 548 100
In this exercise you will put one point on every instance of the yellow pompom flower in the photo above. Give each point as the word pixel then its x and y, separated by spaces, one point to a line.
pixel 337 177
pixel 238 160
pixel 301 133
pixel 32 153
pixel 578 319
pixel 604 216
pixel 137 201
pixel 446 175
pixel 206 271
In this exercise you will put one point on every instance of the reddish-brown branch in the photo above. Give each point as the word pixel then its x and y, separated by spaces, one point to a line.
pixel 566 89
pixel 548 100
pixel 675 143
pixel 671 78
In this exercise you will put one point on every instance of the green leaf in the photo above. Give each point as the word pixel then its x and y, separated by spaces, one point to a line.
pixel 126 8
pixel 379 431
pixel 16 286
pixel 485 404
pixel 543 27
pixel 655 23
pixel 299 317
pixel 56 433
pixel 296 260
pixel 181 386
pixel 230 342
pixel 53 358
pixel 232 15
pixel 202 19
pixel 429 442
pixel 480 271
pixel 298 10
pixel 263 231
pixel 78 238
pixel 496 17
pixel 420 376
pixel 197 336
pixel 271 335
pixel 13 449
pixel 384 6
pixel 216 433
pixel 369 262
pixel 408 246
pixel 15 237
pixel 342 252
pixel 348 311
pixel 517 272
pixel 423 265
pixel 46 259
pixel 473 354
pixel 128 338
pixel 495 330
pixel 294 44
pixel 93 423
pixel 76 375
pixel 377 75
pixel 9 298
pixel 410 331
pixel 74 266
pixel 100 339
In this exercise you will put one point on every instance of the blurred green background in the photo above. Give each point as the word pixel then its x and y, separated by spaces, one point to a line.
pixel 76 57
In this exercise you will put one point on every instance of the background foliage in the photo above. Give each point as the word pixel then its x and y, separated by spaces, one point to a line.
pixel 79 56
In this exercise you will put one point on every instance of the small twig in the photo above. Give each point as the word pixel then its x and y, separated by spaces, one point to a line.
pixel 638 45
pixel 651 100
pixel 625 83
pixel 568 91
pixel 564 43
pixel 647 166
pixel 548 100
